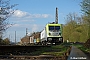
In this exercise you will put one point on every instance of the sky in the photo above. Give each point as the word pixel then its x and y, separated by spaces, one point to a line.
pixel 35 14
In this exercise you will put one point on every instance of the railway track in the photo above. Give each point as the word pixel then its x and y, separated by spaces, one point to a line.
pixel 41 57
pixel 19 50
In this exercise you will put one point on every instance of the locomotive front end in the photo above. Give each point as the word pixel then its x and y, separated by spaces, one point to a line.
pixel 54 33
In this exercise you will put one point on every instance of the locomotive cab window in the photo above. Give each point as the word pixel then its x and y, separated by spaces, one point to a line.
pixel 57 27
pixel 51 27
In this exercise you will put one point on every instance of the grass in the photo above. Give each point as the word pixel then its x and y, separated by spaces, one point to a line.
pixel 56 50
pixel 85 50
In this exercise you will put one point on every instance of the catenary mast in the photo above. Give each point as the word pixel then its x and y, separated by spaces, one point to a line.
pixel 56 20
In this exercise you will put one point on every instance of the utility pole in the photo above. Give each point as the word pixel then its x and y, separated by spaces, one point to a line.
pixel 56 20
pixel 15 37
pixel 26 32
pixel 9 37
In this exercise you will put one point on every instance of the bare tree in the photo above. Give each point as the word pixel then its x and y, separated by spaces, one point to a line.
pixel 6 10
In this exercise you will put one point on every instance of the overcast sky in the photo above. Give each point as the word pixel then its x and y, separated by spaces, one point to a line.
pixel 35 14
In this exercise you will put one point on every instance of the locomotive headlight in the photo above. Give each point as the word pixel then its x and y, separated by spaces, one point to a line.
pixel 49 38
pixel 59 33
pixel 49 33
pixel 59 39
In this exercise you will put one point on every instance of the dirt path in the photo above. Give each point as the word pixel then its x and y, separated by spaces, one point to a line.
pixel 77 54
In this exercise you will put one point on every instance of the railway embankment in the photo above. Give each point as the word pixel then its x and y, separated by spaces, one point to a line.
pixel 55 52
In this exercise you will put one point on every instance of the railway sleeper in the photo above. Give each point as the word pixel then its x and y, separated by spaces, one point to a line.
pixel 39 57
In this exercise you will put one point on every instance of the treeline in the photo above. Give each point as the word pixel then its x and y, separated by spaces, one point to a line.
pixel 5 41
pixel 77 28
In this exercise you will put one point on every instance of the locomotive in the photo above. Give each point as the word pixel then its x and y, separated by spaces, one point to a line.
pixel 51 34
